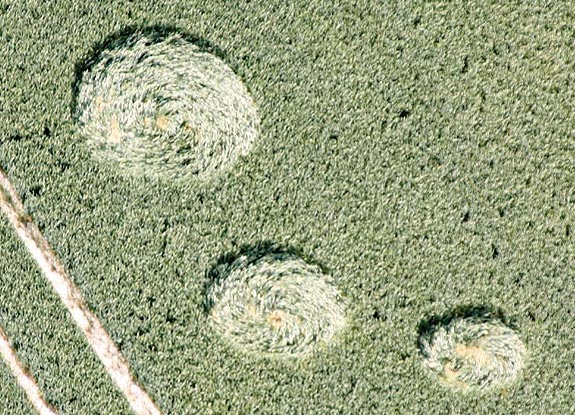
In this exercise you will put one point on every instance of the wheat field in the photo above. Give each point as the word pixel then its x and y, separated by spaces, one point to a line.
pixel 301 207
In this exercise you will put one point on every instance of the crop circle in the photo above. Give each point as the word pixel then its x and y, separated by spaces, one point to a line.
pixel 473 353
pixel 163 107
pixel 276 305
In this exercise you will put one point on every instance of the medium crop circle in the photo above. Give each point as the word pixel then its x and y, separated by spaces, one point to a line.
pixel 275 305
pixel 162 107
pixel 473 353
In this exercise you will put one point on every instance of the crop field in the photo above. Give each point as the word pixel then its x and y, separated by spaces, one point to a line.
pixel 269 207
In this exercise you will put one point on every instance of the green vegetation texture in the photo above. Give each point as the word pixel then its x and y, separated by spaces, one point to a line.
pixel 422 152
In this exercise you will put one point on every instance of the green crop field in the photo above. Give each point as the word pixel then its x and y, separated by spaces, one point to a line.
pixel 305 207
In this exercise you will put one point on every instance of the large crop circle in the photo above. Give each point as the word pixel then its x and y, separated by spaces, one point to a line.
pixel 276 305
pixel 162 107
pixel 473 353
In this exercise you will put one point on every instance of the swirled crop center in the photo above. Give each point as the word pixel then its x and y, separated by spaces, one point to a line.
pixel 474 353
pixel 165 108
pixel 276 305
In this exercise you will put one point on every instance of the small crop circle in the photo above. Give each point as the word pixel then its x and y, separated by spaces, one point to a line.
pixel 473 353
pixel 275 305
pixel 162 107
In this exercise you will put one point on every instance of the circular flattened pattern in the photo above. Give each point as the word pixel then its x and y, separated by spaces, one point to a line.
pixel 275 305
pixel 163 108
pixel 474 353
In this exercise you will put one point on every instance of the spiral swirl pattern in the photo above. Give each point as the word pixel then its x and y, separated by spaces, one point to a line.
pixel 276 305
pixel 474 353
pixel 161 107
